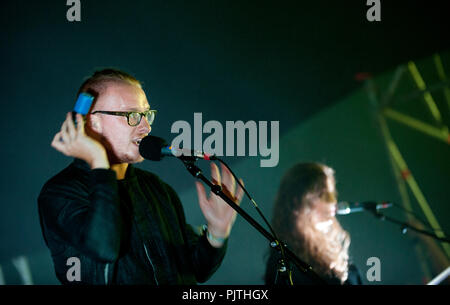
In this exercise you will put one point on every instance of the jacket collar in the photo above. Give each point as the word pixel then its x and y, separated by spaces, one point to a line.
pixel 81 164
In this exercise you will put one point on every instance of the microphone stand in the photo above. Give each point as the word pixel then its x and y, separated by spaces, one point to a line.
pixel 282 270
pixel 405 226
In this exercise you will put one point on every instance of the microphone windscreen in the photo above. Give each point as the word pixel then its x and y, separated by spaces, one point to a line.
pixel 150 148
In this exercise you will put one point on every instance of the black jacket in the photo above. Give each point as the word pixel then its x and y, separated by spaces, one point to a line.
pixel 130 231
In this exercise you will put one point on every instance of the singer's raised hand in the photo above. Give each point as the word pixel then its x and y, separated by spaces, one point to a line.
pixel 73 142
pixel 219 215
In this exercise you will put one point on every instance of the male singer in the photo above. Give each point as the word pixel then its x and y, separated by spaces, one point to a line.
pixel 122 224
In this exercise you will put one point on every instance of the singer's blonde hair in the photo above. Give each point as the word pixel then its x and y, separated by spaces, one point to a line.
pixel 96 83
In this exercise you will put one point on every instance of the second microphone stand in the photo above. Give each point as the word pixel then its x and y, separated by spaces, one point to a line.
pixel 283 268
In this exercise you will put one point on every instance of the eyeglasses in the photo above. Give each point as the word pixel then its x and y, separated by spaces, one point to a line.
pixel 133 118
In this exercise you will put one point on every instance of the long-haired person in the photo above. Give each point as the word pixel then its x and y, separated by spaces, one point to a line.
pixel 304 218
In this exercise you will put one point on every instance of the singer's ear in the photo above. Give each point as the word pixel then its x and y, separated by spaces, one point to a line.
pixel 94 123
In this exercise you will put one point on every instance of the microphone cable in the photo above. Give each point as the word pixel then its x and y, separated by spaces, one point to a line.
pixel 255 205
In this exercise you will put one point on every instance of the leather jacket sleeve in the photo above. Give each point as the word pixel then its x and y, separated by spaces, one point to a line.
pixel 85 214
pixel 205 258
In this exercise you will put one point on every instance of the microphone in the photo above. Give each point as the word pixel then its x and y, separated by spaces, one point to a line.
pixel 155 148
pixel 344 207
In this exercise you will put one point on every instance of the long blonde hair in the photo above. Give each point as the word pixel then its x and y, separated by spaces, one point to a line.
pixel 294 221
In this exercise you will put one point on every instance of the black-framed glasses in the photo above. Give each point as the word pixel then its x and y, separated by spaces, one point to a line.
pixel 133 117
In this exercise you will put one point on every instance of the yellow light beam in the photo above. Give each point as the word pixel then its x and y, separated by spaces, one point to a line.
pixel 427 96
pixel 441 134
pixel 411 181
pixel 439 67
pixel 396 170
pixel 442 76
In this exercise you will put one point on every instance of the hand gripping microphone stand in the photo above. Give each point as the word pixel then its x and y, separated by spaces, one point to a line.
pixel 283 270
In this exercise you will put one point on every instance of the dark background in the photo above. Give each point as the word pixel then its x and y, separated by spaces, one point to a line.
pixel 231 60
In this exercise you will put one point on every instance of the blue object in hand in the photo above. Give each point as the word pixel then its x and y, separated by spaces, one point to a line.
pixel 82 105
